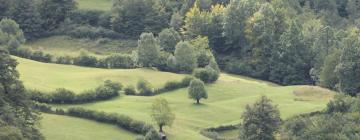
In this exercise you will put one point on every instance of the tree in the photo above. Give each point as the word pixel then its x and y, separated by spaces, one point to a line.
pixel 145 88
pixel 328 75
pixel 148 50
pixel 24 12
pixel 161 113
pixel 17 117
pixel 290 61
pixel 54 12
pixel 4 8
pixel 176 21
pixel 185 57
pixel 152 135
pixel 132 17
pixel 168 39
pixel 260 120
pixel 349 66
pixel 353 8
pixel 10 34
pixel 197 90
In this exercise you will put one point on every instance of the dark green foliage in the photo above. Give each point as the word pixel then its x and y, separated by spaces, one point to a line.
pixel 85 60
pixel 328 76
pixel 89 17
pixel 339 121
pixel 25 13
pixel 10 32
pixel 349 66
pixel 130 90
pixel 40 56
pixel 64 60
pixel 260 120
pixel 132 17
pixel 123 61
pixel 17 119
pixel 207 75
pixel 291 64
pixel 145 88
pixel 168 39
pixel 152 135
pixel 63 96
pixel 54 12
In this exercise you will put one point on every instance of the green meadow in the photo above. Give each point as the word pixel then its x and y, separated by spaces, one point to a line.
pixel 104 5
pixel 227 99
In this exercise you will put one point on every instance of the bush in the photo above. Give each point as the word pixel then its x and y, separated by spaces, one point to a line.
pixel 120 61
pixel 130 90
pixel 145 88
pixel 187 80
pixel 85 60
pixel 207 75
pixel 64 60
pixel 40 56
pixel 86 31
pixel 61 96
pixel 90 17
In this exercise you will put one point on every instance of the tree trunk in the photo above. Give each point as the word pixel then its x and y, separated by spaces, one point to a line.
pixel 198 101
pixel 161 128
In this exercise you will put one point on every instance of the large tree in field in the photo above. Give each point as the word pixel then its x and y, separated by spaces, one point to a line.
pixel 185 57
pixel 197 90
pixel 17 121
pixel 148 50
pixel 161 113
pixel 349 67
pixel 54 12
pixel 260 121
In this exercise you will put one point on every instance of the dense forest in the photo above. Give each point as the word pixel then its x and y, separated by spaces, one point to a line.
pixel 288 42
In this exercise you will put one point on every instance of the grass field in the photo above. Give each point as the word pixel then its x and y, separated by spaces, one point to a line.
pixel 56 127
pixel 67 46
pixel 48 77
pixel 227 97
pixel 104 5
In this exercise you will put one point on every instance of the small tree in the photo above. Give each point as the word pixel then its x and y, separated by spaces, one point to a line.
pixel 185 57
pixel 148 50
pixel 260 120
pixel 168 39
pixel 161 113
pixel 197 90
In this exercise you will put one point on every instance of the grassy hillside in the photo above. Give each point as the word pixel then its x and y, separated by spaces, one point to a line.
pixel 104 5
pixel 55 127
pixel 227 100
pixel 227 97
pixel 64 45
pixel 48 77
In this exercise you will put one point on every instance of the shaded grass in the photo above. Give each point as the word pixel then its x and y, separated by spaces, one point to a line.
pixel 56 127
pixel 104 5
pixel 67 46
pixel 48 77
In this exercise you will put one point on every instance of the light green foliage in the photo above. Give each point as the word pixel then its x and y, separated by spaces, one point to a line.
pixel 148 50
pixel 10 34
pixel 260 120
pixel 185 57
pixel 197 90
pixel 161 113
pixel 168 39
pixel 176 21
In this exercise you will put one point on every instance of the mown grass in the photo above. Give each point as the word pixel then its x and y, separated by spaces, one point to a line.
pixel 48 77
pixel 104 5
pixel 67 46
pixel 55 127
pixel 227 97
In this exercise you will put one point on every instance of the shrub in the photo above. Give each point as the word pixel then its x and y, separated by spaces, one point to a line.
pixel 187 80
pixel 60 96
pixel 85 60
pixel 64 60
pixel 172 85
pixel 130 90
pixel 120 61
pixel 40 56
pixel 145 88
pixel 90 17
pixel 207 75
